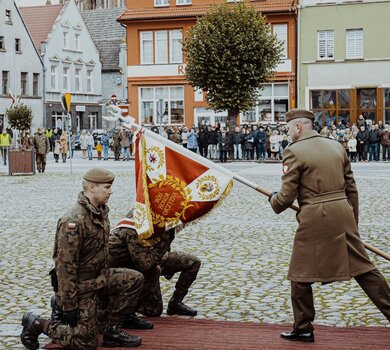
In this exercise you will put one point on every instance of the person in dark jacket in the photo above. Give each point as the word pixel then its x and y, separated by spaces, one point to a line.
pixel 223 143
pixel 203 142
pixel 261 144
pixel 248 145
pixel 374 142
pixel 212 142
pixel 236 138
pixel 362 138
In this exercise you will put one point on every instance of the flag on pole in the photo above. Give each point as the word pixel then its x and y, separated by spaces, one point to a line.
pixel 11 97
pixel 174 186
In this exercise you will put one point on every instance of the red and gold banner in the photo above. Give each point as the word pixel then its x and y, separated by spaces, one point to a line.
pixel 174 186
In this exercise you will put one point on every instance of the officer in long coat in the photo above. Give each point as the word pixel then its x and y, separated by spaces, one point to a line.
pixel 85 286
pixel 327 245
pixel 127 251
pixel 42 148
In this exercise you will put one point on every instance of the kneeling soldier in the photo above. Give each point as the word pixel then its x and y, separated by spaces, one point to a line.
pixel 83 280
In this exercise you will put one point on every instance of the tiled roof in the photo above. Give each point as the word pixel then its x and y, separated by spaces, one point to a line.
pixel 107 33
pixel 40 21
pixel 136 14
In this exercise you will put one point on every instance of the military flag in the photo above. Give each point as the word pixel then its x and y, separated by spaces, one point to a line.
pixel 174 186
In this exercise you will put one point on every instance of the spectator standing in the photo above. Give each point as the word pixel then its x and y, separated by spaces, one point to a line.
pixel 352 143
pixel 203 142
pixel 184 137
pixel 117 144
pixel 175 136
pixel 125 136
pixel 248 145
pixel 64 145
pixel 5 142
pixel 42 148
pixel 374 142
pixel 223 143
pixel 385 142
pixel 261 144
pixel 105 140
pixel 26 142
pixel 90 145
pixel 236 139
pixel 49 134
pixel 361 122
pixel 212 143
pixel 275 145
pixel 83 144
pixel 255 133
pixel 99 149
pixel 362 143
pixel 192 143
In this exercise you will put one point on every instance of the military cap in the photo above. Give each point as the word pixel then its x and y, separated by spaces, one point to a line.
pixel 299 113
pixel 99 175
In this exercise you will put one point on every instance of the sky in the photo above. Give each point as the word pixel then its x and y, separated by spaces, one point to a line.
pixel 33 2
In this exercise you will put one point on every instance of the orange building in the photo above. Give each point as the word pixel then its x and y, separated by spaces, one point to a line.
pixel 156 66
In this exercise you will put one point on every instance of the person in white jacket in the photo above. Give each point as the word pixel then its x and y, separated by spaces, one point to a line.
pixel 352 143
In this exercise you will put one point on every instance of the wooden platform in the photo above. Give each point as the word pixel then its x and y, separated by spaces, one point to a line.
pixel 187 334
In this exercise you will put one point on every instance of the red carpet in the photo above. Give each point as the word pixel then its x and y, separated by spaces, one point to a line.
pixel 185 334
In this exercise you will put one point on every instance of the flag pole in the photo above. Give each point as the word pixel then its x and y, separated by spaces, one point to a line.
pixel 296 208
pixel 129 123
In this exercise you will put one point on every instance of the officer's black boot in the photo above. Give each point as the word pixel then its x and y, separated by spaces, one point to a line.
pixel 33 326
pixel 114 337
pixel 56 313
pixel 133 322
pixel 177 307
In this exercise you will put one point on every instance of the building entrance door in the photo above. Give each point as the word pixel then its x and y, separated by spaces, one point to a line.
pixel 367 103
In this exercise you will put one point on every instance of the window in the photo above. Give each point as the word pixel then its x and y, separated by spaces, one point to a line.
pixel 280 31
pixel 89 80
pixel 176 37
pixel 183 2
pixel 174 104
pixel 355 43
pixel 387 106
pixel 65 79
pixel 330 106
pixel 161 46
pixel 2 43
pixel 53 77
pixel 325 44
pixel 77 41
pixel 146 47
pixel 271 106
pixel 23 83
pixel 8 18
pixel 367 103
pixel 4 82
pixel 161 2
pixel 77 77
pixel 157 51
pixel 35 84
pixel 92 120
pixel 65 39
pixel 18 48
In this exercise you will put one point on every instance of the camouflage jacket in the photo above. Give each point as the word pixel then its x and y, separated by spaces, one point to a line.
pixel 81 251
pixel 126 250
pixel 41 144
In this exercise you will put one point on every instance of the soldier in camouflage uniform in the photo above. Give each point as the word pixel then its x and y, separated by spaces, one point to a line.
pixel 126 251
pixel 84 283
pixel 42 148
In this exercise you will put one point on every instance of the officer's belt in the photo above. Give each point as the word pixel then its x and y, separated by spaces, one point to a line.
pixel 324 197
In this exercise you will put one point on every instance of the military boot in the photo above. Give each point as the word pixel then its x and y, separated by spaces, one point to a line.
pixel 31 330
pixel 56 312
pixel 114 337
pixel 133 322
pixel 177 307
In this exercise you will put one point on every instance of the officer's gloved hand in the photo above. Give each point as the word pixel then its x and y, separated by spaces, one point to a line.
pixel 271 195
pixel 71 317
pixel 102 298
pixel 171 233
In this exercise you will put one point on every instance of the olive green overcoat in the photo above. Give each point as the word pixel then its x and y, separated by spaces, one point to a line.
pixel 327 245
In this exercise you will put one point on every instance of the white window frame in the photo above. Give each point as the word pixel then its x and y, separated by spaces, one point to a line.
pixel 24 90
pixel 161 46
pixel 35 86
pixel 77 79
pixel 66 40
pixel 65 78
pixel 183 2
pixel 142 40
pixel 354 43
pixel 161 3
pixel 179 39
pixel 92 120
pixel 77 41
pixel 280 30
pixel 54 77
pixel 89 80
pixel 325 40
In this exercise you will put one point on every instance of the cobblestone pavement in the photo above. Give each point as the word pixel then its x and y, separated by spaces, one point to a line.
pixel 245 248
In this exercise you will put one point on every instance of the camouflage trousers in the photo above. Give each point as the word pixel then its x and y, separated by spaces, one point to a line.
pixel 41 162
pixel 150 301
pixel 123 286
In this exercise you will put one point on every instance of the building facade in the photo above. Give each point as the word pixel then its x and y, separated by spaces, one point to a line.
pixel 156 66
pixel 345 60
pixel 100 4
pixel 21 67
pixel 71 62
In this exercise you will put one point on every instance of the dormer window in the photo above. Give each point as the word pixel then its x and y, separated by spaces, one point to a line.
pixel 161 3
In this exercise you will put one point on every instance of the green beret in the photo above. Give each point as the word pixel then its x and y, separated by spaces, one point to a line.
pixel 299 113
pixel 99 175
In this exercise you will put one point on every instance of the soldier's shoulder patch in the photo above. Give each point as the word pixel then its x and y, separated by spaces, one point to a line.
pixel 71 225
pixel 285 168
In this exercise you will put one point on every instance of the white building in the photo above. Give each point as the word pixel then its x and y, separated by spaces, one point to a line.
pixel 71 62
pixel 21 67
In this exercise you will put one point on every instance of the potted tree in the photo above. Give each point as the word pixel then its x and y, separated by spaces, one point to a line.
pixel 21 161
